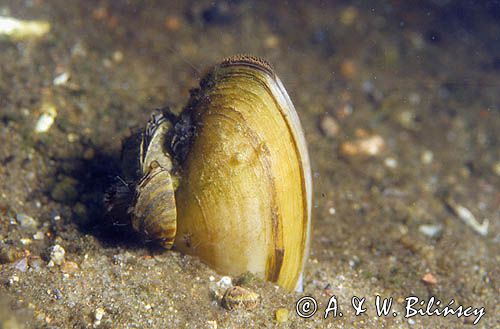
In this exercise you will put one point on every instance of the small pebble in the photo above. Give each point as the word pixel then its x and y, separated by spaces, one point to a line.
pixel 107 63
pixel 38 236
pixel 217 289
pixel 13 279
pixel 26 221
pixel 98 315
pixel 407 119
pixel 69 267
pixel 391 163
pixel 172 23
pixel 368 87
pixel 329 126
pixel 371 146
pixel 344 111
pixel 281 315
pixel 496 168
pixel 72 137
pixel 212 324
pixel 26 241
pixel 431 231
pixel 225 282
pixel 78 50
pixel 348 16
pixel 426 157
pixel 44 123
pixel 35 263
pixel 100 13
pixel 61 79
pixel 56 255
pixel 8 253
pixel 348 69
pixel 353 263
pixel 429 278
pixel 331 211
pixel 118 56
pixel 47 117
pixel 21 265
pixel 55 293
pixel 271 41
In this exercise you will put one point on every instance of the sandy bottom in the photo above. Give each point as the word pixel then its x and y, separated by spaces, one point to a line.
pixel 400 108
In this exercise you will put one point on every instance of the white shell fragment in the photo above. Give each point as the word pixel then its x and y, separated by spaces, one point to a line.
pixel 46 119
pixel 61 79
pixel 367 146
pixel 16 29
pixel 430 231
pixel 225 282
pixel 468 218
pixel 44 123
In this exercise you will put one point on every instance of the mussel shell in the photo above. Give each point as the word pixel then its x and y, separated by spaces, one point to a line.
pixel 244 197
pixel 154 212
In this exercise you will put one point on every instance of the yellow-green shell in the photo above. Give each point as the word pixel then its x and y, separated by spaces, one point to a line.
pixel 244 196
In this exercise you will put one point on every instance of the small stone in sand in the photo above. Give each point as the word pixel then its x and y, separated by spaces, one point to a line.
pixel 426 157
pixel 69 267
pixel 391 163
pixel 429 278
pixel 431 231
pixel 98 315
pixel 329 126
pixel 172 23
pixel 56 255
pixel 47 118
pixel 496 168
pixel 370 145
pixel 281 315
pixel 26 221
